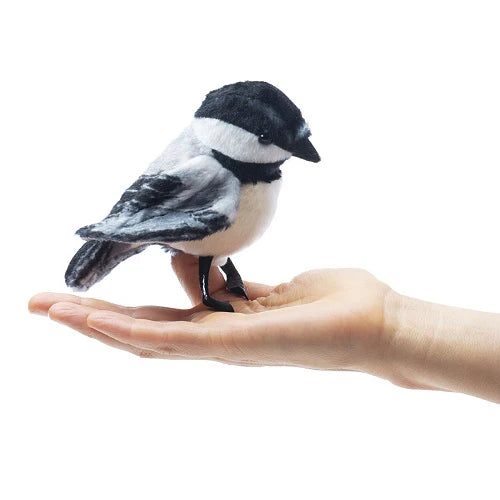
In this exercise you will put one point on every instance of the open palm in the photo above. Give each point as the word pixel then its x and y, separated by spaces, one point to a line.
pixel 329 319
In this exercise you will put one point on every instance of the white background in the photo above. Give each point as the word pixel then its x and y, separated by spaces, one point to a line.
pixel 403 101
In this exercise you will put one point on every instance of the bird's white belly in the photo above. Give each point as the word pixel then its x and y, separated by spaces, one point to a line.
pixel 255 211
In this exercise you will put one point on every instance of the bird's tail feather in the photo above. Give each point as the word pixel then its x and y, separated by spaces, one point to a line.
pixel 95 260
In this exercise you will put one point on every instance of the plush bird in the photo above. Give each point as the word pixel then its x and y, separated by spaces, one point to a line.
pixel 212 192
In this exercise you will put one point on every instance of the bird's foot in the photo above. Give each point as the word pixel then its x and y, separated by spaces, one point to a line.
pixel 238 290
pixel 234 283
pixel 218 305
pixel 204 263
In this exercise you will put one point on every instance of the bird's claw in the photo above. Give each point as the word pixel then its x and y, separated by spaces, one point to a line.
pixel 238 290
pixel 218 305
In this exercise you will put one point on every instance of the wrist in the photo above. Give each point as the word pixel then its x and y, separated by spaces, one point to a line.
pixel 410 342
pixel 431 346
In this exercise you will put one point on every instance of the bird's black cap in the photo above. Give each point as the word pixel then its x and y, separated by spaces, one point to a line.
pixel 262 109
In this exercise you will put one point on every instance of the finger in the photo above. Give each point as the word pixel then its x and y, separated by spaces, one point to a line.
pixel 75 316
pixel 198 338
pixel 42 302
pixel 186 268
pixel 274 337
pixel 256 290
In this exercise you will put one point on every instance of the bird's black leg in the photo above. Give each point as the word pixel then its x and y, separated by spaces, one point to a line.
pixel 204 264
pixel 234 283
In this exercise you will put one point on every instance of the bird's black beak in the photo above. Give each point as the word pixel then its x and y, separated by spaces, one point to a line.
pixel 305 150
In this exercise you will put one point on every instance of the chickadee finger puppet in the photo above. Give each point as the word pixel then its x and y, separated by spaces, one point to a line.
pixel 212 192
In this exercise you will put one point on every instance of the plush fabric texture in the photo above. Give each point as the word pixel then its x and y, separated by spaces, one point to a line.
pixel 256 210
pixel 237 143
pixel 250 173
pixel 190 203
pixel 96 259
pixel 257 107
pixel 211 192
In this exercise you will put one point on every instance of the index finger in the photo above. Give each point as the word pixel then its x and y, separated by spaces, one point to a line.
pixel 42 302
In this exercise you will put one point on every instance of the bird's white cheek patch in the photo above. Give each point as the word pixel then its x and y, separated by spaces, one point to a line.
pixel 236 142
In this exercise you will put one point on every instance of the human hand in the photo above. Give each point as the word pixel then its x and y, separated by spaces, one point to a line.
pixel 324 319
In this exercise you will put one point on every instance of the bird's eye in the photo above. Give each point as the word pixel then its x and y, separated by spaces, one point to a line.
pixel 265 139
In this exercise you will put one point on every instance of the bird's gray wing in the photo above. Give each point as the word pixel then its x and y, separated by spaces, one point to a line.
pixel 196 199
